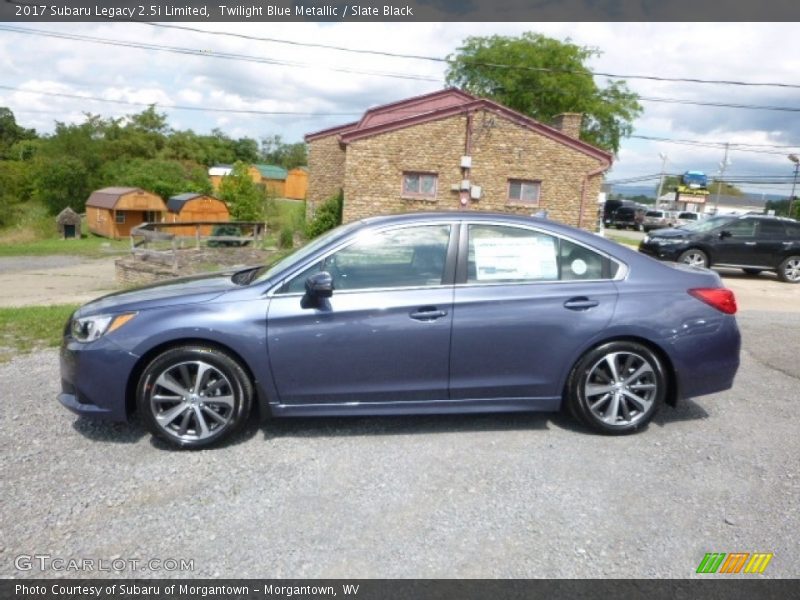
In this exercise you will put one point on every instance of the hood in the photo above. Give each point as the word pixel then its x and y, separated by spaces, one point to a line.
pixel 670 232
pixel 186 290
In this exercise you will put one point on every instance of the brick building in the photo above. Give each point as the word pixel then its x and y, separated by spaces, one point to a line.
pixel 450 150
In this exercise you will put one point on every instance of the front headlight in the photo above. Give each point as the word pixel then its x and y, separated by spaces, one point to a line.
pixel 88 329
pixel 668 241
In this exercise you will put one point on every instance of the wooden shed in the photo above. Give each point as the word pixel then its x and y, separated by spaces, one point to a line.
pixel 195 207
pixel 296 183
pixel 273 178
pixel 113 211
pixel 69 224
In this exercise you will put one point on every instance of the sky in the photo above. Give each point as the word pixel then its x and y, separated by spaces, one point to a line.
pixel 338 86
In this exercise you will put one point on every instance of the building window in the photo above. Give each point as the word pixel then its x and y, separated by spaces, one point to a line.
pixel 523 191
pixel 120 218
pixel 419 185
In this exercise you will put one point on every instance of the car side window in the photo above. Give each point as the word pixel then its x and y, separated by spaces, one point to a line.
pixel 771 229
pixel 500 254
pixel 577 262
pixel 402 257
pixel 510 254
pixel 792 230
pixel 744 228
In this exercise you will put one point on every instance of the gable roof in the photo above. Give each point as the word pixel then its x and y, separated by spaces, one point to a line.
pixel 441 105
pixel 108 197
pixel 271 171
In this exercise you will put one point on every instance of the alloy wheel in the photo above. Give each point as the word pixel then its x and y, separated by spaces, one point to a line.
pixel 791 269
pixel 620 388
pixel 192 400
pixel 694 259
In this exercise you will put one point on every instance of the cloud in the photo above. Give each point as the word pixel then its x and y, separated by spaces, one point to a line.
pixel 283 77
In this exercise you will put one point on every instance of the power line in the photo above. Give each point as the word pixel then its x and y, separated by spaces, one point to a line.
pixel 475 63
pixel 179 107
pixel 249 58
pixel 206 53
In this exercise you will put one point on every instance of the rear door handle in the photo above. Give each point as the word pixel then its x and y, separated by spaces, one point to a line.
pixel 580 303
pixel 749 243
pixel 428 313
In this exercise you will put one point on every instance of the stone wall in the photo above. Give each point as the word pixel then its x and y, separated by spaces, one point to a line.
pixel 500 150
pixel 326 166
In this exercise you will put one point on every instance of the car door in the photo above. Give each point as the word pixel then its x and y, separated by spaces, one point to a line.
pixel 736 243
pixel 383 335
pixel 770 243
pixel 525 303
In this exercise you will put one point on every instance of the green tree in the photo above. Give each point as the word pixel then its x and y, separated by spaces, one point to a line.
pixel 62 182
pixel 11 133
pixel 166 178
pixel 545 77
pixel 244 198
pixel 275 151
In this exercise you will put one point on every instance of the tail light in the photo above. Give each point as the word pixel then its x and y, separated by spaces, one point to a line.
pixel 720 298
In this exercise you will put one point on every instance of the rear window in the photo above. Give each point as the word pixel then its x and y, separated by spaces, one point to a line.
pixel 654 213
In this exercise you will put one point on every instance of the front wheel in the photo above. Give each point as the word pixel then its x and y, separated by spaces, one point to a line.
pixel 694 258
pixel 617 388
pixel 789 269
pixel 194 396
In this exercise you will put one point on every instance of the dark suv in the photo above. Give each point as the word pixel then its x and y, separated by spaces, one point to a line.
pixel 753 243
pixel 628 216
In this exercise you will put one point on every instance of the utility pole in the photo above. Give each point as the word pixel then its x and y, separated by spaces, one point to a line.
pixel 796 161
pixel 722 166
pixel 663 157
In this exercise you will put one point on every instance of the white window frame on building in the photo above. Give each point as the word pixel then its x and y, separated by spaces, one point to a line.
pixel 533 187
pixel 420 175
pixel 119 218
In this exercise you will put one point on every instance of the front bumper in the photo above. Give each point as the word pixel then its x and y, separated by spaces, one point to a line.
pixel 94 378
pixel 668 252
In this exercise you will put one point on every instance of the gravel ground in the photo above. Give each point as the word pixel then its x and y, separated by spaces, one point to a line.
pixel 456 496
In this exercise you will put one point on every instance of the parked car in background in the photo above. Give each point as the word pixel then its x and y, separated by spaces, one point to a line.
pixel 754 243
pixel 628 217
pixel 686 217
pixel 657 219
pixel 422 313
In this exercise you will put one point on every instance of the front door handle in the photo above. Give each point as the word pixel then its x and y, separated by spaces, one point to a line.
pixel 428 313
pixel 580 303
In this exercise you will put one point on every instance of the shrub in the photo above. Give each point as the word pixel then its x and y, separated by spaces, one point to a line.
pixel 286 238
pixel 329 215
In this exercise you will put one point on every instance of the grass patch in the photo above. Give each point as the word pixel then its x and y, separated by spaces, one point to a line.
pixel 91 246
pixel 35 234
pixel 622 240
pixel 29 328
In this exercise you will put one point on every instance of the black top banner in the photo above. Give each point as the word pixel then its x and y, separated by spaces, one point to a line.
pixel 399 10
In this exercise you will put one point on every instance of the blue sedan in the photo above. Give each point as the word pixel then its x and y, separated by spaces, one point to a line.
pixel 408 314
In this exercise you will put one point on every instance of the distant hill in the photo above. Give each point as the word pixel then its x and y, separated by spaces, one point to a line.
pixel 629 191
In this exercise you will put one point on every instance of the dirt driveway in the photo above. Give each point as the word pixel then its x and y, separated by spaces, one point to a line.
pixel 31 280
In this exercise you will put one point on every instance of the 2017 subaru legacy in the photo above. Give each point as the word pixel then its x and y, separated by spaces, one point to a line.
pixel 423 313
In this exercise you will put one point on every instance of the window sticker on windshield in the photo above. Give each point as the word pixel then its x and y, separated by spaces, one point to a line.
pixel 503 258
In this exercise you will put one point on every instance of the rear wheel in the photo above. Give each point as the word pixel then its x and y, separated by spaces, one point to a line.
pixel 194 396
pixel 789 270
pixel 617 388
pixel 694 258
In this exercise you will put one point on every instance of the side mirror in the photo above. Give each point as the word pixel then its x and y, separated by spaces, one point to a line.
pixel 320 285
pixel 725 234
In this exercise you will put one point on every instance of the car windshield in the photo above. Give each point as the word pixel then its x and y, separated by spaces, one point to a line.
pixel 707 224
pixel 266 272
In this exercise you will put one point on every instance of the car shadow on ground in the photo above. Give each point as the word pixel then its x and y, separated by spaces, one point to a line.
pixel 686 410
pixel 314 427
pixel 106 431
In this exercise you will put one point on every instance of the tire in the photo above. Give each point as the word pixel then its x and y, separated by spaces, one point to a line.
pixel 752 271
pixel 194 396
pixel 694 258
pixel 789 269
pixel 617 388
